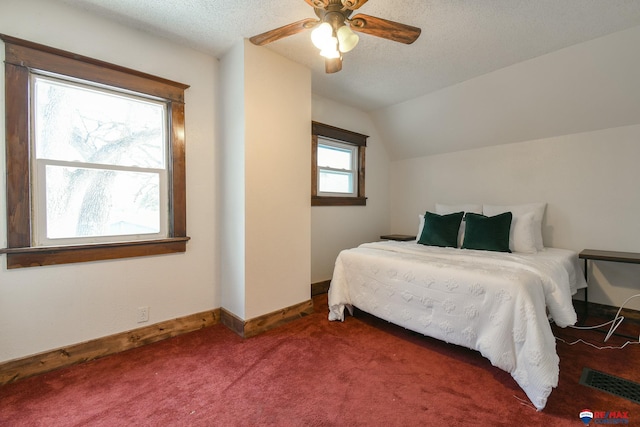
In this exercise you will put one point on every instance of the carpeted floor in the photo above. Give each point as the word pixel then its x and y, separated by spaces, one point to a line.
pixel 312 372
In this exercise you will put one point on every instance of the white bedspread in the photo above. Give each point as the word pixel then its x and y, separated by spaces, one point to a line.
pixel 492 302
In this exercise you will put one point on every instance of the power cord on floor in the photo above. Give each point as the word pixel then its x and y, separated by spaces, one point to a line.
pixel 606 347
pixel 617 320
pixel 525 403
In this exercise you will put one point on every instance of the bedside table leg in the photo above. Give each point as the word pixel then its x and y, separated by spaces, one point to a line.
pixel 586 290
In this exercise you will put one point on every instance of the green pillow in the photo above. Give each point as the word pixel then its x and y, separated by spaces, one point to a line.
pixel 487 233
pixel 441 230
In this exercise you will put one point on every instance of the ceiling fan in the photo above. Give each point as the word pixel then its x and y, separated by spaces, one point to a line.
pixel 333 33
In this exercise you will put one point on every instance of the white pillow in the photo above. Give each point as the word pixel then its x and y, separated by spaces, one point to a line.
pixel 526 226
pixel 449 209
pixel 420 225
pixel 522 235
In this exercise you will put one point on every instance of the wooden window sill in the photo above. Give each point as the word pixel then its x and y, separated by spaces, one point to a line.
pixel 338 201
pixel 53 255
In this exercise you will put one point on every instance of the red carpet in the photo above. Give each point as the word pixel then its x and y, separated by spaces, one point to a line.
pixel 311 372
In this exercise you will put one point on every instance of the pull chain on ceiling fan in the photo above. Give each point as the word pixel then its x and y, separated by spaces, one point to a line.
pixel 333 33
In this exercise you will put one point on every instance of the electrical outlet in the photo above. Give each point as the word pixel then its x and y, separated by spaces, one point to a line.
pixel 143 314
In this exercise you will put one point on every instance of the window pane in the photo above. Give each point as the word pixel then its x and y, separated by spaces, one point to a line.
pixel 334 158
pixel 77 123
pixel 335 182
pixel 84 202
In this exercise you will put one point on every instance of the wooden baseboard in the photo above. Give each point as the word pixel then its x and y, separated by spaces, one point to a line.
pixel 271 320
pixel 252 327
pixel 320 287
pixel 17 369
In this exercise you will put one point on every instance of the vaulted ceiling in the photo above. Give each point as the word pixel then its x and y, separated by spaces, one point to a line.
pixel 460 40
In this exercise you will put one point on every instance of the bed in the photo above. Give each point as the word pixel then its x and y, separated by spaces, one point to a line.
pixel 497 303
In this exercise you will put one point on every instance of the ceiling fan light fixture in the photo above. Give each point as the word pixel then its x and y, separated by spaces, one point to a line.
pixel 322 35
pixel 347 39
pixel 334 32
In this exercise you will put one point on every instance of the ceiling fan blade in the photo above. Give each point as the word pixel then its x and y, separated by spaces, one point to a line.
pixel 332 65
pixel 318 3
pixel 285 31
pixel 384 28
pixel 353 4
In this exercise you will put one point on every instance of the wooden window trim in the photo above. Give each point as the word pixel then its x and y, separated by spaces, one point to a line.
pixel 346 136
pixel 20 57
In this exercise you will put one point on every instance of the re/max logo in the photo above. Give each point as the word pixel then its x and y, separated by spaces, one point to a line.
pixel 611 414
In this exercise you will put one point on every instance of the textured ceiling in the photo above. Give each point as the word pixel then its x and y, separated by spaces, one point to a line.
pixel 461 39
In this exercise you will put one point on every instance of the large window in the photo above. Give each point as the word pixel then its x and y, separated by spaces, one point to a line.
pixel 99 164
pixel 337 166
pixel 95 159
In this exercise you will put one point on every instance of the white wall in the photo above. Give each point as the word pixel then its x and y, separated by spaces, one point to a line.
pixel 231 172
pixel 42 308
pixel 569 122
pixel 334 228
pixel 266 181
pixel 589 180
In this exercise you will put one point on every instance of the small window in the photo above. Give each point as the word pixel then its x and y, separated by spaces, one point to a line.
pixel 337 166
pixel 95 159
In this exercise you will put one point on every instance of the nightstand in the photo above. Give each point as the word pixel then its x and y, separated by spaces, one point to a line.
pixel 398 237
pixel 598 255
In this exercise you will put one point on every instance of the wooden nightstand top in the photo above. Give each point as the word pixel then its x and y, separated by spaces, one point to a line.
pixel 598 255
pixel 398 237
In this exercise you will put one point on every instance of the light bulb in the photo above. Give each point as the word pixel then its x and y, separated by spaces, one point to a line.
pixel 347 39
pixel 330 49
pixel 321 35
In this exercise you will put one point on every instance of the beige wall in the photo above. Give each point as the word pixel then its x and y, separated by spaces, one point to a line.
pixel 42 308
pixel 249 221
pixel 589 180
pixel 266 196
pixel 278 173
pixel 335 228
